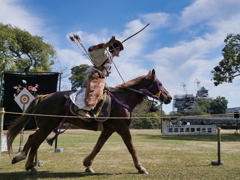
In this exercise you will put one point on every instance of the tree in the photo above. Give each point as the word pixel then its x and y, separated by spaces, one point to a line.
pixel 65 74
pixel 194 111
pixel 218 105
pixel 175 115
pixel 78 75
pixel 145 123
pixel 145 107
pixel 21 51
pixel 229 67
pixel 142 110
pixel 203 105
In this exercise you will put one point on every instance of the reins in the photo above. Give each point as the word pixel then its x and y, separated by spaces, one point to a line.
pixel 144 92
pixel 115 100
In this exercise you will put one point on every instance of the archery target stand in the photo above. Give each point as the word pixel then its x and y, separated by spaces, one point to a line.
pixel 23 99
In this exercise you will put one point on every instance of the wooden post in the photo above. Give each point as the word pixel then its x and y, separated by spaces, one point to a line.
pixel 56 141
pixel 219 146
pixel 36 158
pixel 161 118
pixel 1 127
pixel 21 140
pixel 218 162
pixel 21 135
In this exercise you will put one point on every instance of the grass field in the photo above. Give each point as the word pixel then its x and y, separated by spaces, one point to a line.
pixel 185 157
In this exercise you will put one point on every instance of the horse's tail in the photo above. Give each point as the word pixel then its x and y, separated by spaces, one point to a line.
pixel 19 123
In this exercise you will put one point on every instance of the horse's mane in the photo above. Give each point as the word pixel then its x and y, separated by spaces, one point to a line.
pixel 128 84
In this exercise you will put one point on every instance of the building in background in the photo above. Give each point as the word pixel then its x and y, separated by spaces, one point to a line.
pixel 184 102
pixel 233 110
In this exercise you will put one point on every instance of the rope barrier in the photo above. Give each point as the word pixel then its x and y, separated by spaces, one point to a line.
pixel 45 115
pixel 73 133
pixel 166 117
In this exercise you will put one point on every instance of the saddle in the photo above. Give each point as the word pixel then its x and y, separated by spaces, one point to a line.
pixel 101 111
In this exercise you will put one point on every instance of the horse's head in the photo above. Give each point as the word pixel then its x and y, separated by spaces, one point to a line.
pixel 156 89
pixel 148 85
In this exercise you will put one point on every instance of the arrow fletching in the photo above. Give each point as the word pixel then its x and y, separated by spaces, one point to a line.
pixel 72 39
pixel 77 38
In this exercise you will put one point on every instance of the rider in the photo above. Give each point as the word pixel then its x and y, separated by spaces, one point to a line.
pixel 92 88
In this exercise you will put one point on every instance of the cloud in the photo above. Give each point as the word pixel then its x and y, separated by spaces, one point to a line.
pixel 156 20
pixel 12 12
pixel 128 71
pixel 185 62
pixel 135 45
pixel 227 26
pixel 71 57
pixel 201 11
pixel 185 51
pixel 91 39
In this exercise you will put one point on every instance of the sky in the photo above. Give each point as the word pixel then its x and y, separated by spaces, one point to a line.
pixel 183 42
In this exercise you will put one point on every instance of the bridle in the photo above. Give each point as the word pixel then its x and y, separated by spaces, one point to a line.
pixel 148 93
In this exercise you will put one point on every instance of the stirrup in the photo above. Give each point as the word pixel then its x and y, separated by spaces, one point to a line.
pixel 91 113
pixel 84 113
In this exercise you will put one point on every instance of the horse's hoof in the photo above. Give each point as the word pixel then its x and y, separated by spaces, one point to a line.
pixel 143 171
pixel 18 158
pixel 34 171
pixel 14 160
pixel 89 170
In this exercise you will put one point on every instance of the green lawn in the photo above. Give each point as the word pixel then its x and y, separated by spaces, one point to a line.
pixel 164 157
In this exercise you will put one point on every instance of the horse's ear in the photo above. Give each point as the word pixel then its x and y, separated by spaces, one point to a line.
pixel 149 73
pixel 153 72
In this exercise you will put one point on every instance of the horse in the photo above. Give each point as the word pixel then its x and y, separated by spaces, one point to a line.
pixel 130 94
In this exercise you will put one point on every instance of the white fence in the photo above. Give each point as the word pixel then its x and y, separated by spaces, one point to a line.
pixel 189 129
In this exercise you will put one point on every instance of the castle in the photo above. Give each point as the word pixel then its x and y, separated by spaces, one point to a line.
pixel 185 102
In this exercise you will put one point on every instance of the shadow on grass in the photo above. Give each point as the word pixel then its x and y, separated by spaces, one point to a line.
pixel 224 137
pixel 24 175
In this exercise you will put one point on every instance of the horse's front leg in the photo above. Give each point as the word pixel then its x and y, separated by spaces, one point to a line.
pixel 89 159
pixel 126 136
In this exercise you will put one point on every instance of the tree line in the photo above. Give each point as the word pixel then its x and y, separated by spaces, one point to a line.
pixel 21 51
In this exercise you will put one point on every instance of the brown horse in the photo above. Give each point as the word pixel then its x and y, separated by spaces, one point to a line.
pixel 130 94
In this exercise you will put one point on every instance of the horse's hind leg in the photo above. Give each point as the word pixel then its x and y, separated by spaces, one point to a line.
pixel 34 142
pixel 24 153
pixel 126 136
pixel 89 159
